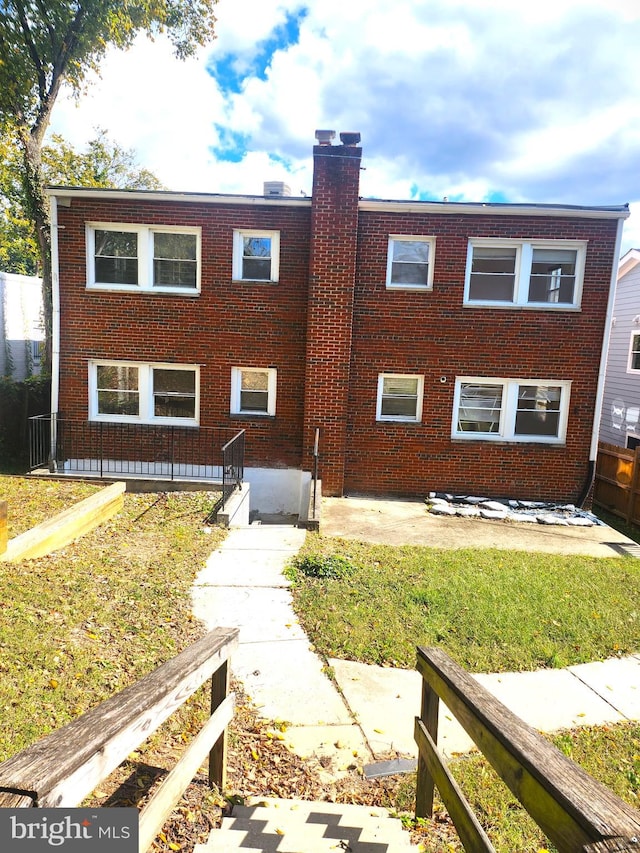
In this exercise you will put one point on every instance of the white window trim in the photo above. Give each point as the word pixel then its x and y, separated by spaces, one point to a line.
pixel 419 399
pixel 524 255
pixel 413 239
pixel 236 389
pixel 238 254
pixel 630 369
pixel 145 390
pixel 145 257
pixel 506 431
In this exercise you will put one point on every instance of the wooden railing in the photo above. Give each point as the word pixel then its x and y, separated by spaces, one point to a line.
pixel 65 766
pixel 577 813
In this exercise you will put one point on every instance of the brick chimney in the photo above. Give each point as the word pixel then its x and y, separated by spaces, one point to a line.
pixel 332 267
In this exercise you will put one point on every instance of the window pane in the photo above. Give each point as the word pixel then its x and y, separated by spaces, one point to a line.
pixel 538 410
pixel 399 396
pixel 553 275
pixel 410 262
pixel 174 262
pixel 635 353
pixel 256 258
pixel 479 409
pixel 255 380
pixel 116 257
pixel 254 391
pixel 493 274
pixel 174 393
pixel 117 390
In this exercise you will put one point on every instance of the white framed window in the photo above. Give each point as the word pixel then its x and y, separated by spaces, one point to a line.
pixel 537 273
pixel 256 255
pixel 633 364
pixel 143 257
pixel 511 409
pixel 125 391
pixel 253 391
pixel 399 397
pixel 410 262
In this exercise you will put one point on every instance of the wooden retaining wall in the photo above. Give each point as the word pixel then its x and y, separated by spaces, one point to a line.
pixel 63 528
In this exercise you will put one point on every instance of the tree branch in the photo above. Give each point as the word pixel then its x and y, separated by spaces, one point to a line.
pixel 31 47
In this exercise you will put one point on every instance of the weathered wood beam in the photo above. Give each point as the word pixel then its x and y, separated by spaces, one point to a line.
pixel 571 807
pixel 65 766
pixel 66 526
pixel 471 834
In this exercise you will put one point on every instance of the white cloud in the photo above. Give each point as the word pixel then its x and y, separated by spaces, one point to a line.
pixel 533 102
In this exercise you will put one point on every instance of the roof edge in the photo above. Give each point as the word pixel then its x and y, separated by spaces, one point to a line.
pixel 628 261
pixel 172 195
pixel 498 208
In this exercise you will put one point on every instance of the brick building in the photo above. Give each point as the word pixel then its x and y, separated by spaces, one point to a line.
pixel 434 345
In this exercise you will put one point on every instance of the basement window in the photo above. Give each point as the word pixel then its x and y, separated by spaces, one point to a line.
pixel 253 391
pixel 511 409
pixel 399 397
pixel 143 393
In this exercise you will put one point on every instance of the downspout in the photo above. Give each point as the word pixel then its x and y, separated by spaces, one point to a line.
pixel 595 434
pixel 55 331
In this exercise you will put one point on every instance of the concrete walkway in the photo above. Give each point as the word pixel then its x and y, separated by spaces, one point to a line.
pixel 371 715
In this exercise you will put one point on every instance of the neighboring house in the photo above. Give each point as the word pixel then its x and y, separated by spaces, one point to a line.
pixel 620 422
pixel 21 325
pixel 435 345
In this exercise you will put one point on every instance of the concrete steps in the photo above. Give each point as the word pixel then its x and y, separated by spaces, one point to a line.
pixel 271 825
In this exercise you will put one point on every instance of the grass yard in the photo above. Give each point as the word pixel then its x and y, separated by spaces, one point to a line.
pixel 491 610
pixel 82 623
pixel 32 501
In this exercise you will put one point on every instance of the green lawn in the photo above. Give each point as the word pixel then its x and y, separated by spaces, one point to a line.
pixel 491 610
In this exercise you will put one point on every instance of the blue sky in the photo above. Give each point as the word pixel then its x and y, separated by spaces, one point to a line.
pixel 491 101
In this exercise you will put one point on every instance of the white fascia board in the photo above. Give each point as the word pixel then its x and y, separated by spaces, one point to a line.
pixel 628 261
pixel 475 208
pixel 160 195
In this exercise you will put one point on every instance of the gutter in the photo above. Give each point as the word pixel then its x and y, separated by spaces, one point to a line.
pixel 55 329
pixel 597 414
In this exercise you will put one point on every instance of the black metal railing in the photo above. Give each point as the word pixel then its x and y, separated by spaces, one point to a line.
pixel 102 449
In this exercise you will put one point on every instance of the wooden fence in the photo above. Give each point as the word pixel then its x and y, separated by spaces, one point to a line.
pixel 64 767
pixel 617 481
pixel 577 813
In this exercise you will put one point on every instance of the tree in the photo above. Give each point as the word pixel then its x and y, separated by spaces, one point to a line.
pixel 45 43
pixel 103 163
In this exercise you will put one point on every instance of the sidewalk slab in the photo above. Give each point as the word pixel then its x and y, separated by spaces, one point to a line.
pixel 616 680
pixel 286 681
pixel 550 699
pixel 261 614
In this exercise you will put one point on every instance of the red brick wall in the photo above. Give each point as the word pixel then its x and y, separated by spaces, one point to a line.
pixel 229 324
pixel 330 327
pixel 432 334
pixel 334 225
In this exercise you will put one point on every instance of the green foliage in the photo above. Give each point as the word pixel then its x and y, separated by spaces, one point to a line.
pixel 18 402
pixel 329 566
pixel 103 163
pixel 491 610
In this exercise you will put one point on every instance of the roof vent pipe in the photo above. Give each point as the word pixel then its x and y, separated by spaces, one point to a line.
pixel 324 137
